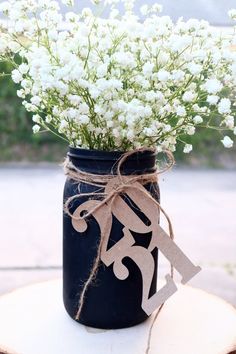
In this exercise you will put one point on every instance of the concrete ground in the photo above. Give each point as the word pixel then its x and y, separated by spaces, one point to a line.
pixel 201 204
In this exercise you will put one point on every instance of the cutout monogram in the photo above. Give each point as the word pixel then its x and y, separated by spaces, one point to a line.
pixel 125 246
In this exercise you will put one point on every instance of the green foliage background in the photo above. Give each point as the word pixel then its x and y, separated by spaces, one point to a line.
pixel 18 143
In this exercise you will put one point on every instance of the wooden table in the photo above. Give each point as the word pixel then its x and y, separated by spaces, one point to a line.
pixel 33 321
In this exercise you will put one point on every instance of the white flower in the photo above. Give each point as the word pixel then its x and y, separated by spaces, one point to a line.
pixel 125 59
pixel 83 119
pixel 74 99
pixel 189 96
pixel 26 84
pixel 114 13
pixel 181 111
pixel 229 122
pixel 21 93
pixel 29 106
pixel 102 70
pixel 16 76
pixel 84 108
pixel 148 131
pixel 118 81
pixel 167 127
pixel 36 128
pixel 94 92
pixel 156 8
pixel 130 135
pixel 53 35
pixel 48 119
pixel 110 124
pixel 227 142
pixel 197 119
pixel 3 45
pixel 68 2
pixel 116 132
pixel 195 69
pixel 178 75
pixel 36 118
pixel 151 96
pixel 187 148
pixel 5 6
pixel 163 75
pixel 213 86
pixel 147 69
pixel 63 125
pixel 224 106
pixel 144 9
pixel 212 99
pixel 23 68
pixel 190 130
pixel 36 100
pixel 163 58
pixel 180 43
pixel 95 2
pixel 232 14
pixel 71 113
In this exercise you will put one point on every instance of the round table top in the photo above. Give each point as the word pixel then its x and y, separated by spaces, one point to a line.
pixel 33 321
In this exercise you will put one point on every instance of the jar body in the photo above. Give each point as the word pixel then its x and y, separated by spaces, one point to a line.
pixel 109 303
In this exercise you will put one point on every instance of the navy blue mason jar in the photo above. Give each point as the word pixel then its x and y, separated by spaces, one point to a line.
pixel 109 303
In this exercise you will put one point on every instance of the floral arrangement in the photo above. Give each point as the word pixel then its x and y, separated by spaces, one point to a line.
pixel 122 81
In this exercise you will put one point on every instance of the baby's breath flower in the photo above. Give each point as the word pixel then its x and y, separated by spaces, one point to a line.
pixel 187 148
pixel 83 119
pixel 232 14
pixel 229 122
pixel 224 106
pixel 213 86
pixel 189 96
pixel 36 100
pixel 181 111
pixel 147 69
pixel 68 2
pixel 156 8
pixel 23 68
pixel 36 118
pixel 48 119
pixel 95 2
pixel 16 76
pixel 197 119
pixel 194 68
pixel 163 75
pixel 119 82
pixel 190 130
pixel 212 99
pixel 36 128
pixel 21 93
pixel 227 142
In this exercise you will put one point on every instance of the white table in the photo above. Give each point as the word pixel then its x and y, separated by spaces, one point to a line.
pixel 33 321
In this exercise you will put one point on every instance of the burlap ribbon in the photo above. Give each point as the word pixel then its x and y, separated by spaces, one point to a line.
pixel 108 197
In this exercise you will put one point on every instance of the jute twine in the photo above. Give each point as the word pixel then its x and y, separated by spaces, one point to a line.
pixel 101 181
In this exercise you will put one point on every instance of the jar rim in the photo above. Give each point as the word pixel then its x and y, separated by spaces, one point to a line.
pixel 93 154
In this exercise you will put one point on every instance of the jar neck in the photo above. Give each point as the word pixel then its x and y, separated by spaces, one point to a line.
pixel 105 162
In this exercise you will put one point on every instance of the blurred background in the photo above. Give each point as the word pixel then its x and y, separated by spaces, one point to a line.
pixel 199 194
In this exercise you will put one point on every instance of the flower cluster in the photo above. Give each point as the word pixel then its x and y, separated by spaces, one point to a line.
pixel 119 82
